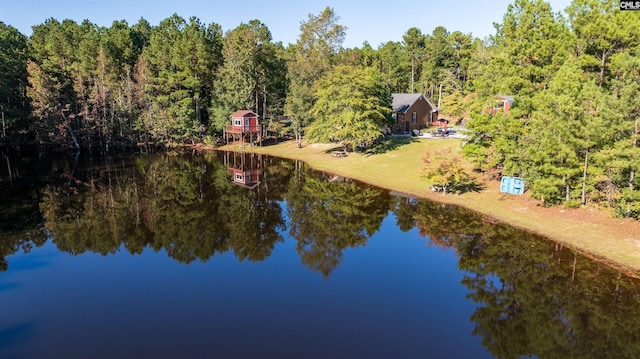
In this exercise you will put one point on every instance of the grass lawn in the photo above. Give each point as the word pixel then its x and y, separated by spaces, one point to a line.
pixel 396 165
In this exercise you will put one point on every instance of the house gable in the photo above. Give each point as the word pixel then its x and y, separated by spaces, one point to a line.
pixel 244 113
pixel 412 111
pixel 244 118
pixel 501 103
pixel 401 102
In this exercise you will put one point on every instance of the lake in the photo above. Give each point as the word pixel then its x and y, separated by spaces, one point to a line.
pixel 233 255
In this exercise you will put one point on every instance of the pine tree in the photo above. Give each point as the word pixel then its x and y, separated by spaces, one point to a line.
pixel 393 66
pixel 601 30
pixel 182 58
pixel 13 82
pixel 251 76
pixel 529 46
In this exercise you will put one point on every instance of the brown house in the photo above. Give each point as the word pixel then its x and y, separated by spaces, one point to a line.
pixel 412 111
pixel 244 127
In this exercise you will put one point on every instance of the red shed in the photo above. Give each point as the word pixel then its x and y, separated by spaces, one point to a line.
pixel 244 127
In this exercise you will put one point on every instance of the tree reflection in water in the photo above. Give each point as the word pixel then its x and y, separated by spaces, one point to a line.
pixel 328 214
pixel 534 297
pixel 186 206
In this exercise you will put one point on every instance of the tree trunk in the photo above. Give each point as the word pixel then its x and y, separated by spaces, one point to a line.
pixel 602 63
pixel 198 110
pixel 257 102
pixel 70 130
pixel 412 71
pixel 4 130
pixel 584 177
pixel 9 168
pixel 264 111
pixel 632 174
pixel 73 136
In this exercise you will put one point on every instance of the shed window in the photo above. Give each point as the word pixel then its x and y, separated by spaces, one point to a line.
pixel 237 122
pixel 414 117
pixel 430 117
pixel 395 117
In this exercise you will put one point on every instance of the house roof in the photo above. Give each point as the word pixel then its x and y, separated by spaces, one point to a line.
pixel 402 101
pixel 244 113
pixel 509 99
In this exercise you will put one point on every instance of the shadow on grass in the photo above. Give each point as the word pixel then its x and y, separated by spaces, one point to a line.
pixel 271 141
pixel 471 186
pixel 388 144
pixel 460 188
pixel 338 151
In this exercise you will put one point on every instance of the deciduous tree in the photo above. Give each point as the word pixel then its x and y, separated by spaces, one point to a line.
pixel 310 57
pixel 444 170
pixel 352 106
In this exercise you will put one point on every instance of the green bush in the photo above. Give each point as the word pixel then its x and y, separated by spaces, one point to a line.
pixel 572 203
pixel 209 141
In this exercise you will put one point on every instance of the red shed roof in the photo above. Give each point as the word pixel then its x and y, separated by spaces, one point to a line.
pixel 243 113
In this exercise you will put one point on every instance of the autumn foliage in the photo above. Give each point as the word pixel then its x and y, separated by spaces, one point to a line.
pixel 445 172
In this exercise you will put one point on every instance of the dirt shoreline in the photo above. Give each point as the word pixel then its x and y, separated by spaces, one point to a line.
pixel 590 231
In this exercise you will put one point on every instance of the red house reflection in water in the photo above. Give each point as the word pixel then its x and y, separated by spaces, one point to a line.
pixel 245 168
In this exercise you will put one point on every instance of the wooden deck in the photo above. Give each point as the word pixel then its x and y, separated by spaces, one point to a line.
pixel 244 134
pixel 244 129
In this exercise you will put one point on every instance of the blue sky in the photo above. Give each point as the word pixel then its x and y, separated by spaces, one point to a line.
pixel 375 21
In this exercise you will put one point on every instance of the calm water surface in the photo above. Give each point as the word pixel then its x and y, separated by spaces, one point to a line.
pixel 246 256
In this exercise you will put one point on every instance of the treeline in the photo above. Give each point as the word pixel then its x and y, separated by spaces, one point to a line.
pixel 82 85
pixel 572 132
